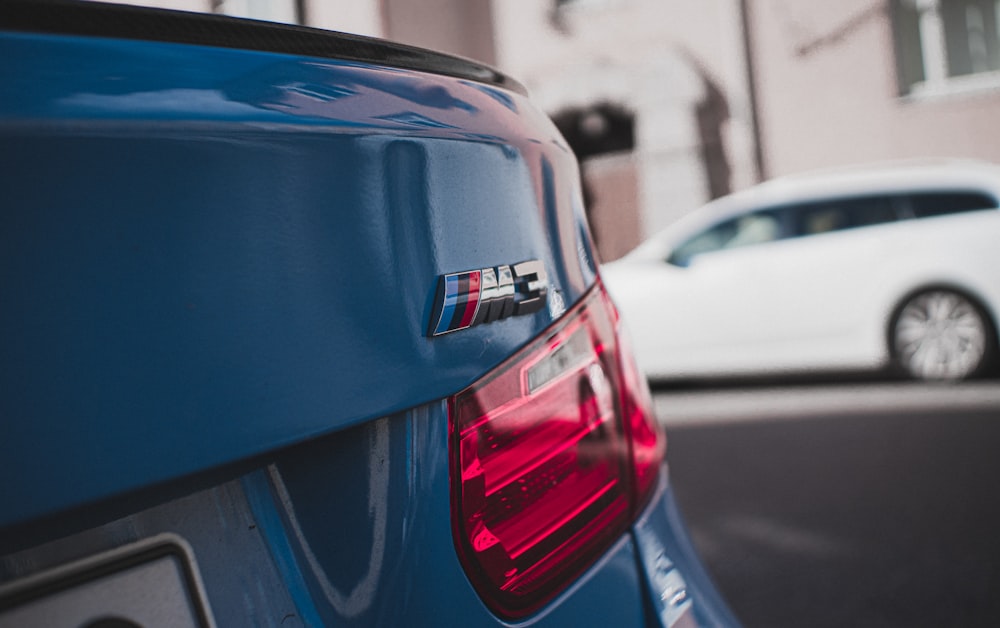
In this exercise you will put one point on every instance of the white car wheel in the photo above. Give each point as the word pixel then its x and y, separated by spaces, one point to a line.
pixel 941 335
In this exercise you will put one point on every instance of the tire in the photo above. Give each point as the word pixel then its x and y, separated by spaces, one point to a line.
pixel 941 334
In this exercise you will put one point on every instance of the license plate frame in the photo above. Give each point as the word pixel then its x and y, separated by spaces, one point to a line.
pixel 154 581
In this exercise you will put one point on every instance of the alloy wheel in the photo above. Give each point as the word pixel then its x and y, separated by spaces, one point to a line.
pixel 940 335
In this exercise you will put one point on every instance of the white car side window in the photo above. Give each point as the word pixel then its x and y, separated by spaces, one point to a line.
pixel 755 228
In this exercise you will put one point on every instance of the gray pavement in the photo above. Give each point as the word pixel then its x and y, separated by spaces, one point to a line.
pixel 679 407
pixel 849 504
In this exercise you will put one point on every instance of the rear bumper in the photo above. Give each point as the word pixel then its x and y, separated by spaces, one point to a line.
pixel 354 530
pixel 680 590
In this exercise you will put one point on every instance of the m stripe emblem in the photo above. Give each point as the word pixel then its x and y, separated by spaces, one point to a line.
pixel 461 301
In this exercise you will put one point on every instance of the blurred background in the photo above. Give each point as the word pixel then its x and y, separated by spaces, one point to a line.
pixel 670 103
pixel 815 501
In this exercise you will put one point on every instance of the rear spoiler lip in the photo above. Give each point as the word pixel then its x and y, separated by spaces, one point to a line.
pixel 96 19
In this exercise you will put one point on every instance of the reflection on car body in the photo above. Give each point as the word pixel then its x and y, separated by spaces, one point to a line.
pixel 843 270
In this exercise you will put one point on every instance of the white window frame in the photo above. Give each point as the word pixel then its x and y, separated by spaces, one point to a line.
pixel 283 11
pixel 934 53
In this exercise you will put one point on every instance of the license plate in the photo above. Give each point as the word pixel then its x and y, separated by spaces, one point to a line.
pixel 151 583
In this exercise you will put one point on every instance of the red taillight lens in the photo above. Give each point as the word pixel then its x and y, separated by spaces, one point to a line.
pixel 553 452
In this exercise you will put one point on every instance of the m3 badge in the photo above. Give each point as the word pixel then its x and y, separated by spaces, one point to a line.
pixel 485 295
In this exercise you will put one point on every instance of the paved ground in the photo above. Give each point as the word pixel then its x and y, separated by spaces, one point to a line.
pixel 850 504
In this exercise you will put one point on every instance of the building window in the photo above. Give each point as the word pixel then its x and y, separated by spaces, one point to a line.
pixel 287 11
pixel 947 45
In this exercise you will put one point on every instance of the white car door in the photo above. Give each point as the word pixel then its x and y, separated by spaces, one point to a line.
pixel 697 311
pixel 778 289
pixel 813 297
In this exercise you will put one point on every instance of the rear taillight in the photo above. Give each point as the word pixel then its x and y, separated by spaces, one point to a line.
pixel 553 454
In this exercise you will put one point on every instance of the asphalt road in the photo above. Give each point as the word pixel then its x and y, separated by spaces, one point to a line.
pixel 851 504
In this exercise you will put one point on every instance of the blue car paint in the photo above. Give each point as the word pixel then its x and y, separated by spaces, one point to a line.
pixel 208 262
pixel 233 259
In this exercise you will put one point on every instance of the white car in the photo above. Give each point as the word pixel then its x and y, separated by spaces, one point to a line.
pixel 863 268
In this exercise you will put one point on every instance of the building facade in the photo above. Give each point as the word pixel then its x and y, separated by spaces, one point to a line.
pixel 670 103
pixel 875 80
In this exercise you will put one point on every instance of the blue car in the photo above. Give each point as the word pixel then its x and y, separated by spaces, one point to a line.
pixel 305 329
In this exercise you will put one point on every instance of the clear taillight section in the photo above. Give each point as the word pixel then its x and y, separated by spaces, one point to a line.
pixel 553 453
